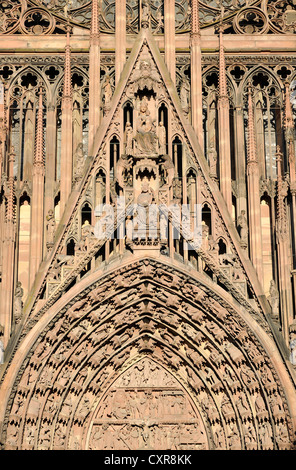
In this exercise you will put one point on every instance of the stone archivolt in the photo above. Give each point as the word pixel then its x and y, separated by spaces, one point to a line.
pixel 145 352
pixel 137 342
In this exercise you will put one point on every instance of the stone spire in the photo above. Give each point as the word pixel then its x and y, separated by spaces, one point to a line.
pixel 94 75
pixel 288 121
pixel 37 205
pixel 253 179
pixel 251 145
pixel 282 225
pixel 222 67
pixel 94 28
pixel 120 38
pixel 196 75
pixel 67 91
pixel 194 18
pixel 224 127
pixel 67 118
pixel 39 143
pixel 10 208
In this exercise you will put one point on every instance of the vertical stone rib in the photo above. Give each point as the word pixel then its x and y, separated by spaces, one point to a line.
pixel 37 222
pixel 94 76
pixel 66 142
pixel 283 243
pixel 224 129
pixel 290 150
pixel 196 74
pixel 6 311
pixel 251 156
pixel 254 194
pixel 39 146
pixel 222 74
pixel 67 92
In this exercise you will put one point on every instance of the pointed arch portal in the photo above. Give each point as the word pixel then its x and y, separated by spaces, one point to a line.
pixel 145 355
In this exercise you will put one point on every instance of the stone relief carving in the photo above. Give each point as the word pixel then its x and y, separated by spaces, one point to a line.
pixel 18 302
pixel 84 349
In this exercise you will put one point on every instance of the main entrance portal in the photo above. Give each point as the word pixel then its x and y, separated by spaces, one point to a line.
pixel 146 408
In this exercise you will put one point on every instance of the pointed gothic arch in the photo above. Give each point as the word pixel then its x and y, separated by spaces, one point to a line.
pixel 213 349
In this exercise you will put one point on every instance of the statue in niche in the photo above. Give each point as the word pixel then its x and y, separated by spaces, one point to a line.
pixel 79 157
pixel 242 224
pixel 237 272
pixel 50 226
pixel 145 11
pixel 86 236
pixel 160 24
pixel 163 227
pixel 168 170
pixel 129 228
pixel 184 94
pixel 274 299
pixel 18 302
pixel 145 139
pixel 107 89
pixel 67 7
pixel 212 157
pixel 162 138
pixel 144 200
pixel 123 166
pixel 129 136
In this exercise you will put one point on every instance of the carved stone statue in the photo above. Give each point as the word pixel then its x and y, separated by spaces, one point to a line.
pixel 184 94
pixel 168 170
pixel 107 88
pixel 242 224
pixel 129 135
pixel 145 76
pixel 162 138
pixel 144 200
pixel 274 299
pixel 145 138
pixel 50 226
pixel 18 302
pixel 212 157
pixel 79 157
pixel 145 13
pixel 124 164
pixel 160 25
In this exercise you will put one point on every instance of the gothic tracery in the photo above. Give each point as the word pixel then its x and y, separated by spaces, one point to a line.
pixel 130 320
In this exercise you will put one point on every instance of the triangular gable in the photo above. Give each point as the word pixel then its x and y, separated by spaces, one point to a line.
pixel 209 187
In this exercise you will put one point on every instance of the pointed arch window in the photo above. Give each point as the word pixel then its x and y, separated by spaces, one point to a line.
pixel 114 155
pixel 86 214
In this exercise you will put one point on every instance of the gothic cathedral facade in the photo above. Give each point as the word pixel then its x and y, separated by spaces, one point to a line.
pixel 147 224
